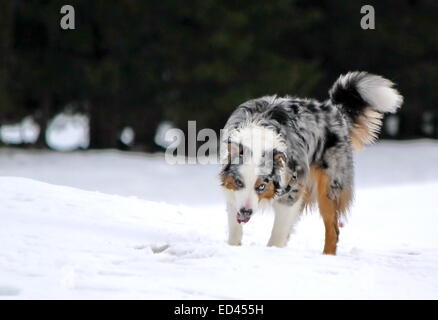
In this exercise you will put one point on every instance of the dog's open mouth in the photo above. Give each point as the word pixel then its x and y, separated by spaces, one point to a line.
pixel 243 218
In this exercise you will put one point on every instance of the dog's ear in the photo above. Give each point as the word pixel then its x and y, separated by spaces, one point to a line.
pixel 235 151
pixel 279 159
pixel 281 169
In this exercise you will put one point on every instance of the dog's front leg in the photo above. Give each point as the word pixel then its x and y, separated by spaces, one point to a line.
pixel 234 228
pixel 286 216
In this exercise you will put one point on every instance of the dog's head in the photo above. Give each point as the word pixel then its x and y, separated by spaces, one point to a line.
pixel 254 169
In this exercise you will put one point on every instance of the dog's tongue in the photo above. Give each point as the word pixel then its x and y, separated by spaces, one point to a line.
pixel 243 219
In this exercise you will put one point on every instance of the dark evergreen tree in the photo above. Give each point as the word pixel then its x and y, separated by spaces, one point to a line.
pixel 136 63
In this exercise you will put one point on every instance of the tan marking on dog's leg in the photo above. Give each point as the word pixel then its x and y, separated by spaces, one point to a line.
pixel 328 211
pixel 308 201
pixel 344 202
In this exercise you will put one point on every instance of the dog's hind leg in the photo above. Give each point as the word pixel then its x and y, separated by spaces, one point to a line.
pixel 235 231
pixel 330 207
pixel 286 216
pixel 327 209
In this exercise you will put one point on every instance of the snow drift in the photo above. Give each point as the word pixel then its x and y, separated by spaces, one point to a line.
pixel 60 242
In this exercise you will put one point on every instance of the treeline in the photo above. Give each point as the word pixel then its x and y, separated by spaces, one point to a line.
pixel 137 63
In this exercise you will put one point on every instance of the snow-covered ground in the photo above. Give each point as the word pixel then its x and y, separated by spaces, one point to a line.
pixel 107 224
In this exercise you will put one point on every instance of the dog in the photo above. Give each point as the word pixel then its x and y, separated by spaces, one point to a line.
pixel 292 153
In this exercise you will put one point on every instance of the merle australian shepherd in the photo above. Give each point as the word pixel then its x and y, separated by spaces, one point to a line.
pixel 292 153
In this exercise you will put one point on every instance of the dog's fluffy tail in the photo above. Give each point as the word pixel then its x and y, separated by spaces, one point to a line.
pixel 364 98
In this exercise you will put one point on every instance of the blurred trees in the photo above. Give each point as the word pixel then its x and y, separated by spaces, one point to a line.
pixel 136 63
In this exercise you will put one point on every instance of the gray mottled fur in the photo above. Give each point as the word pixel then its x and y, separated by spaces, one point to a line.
pixel 316 133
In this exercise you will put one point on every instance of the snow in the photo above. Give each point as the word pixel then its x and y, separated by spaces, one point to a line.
pixel 113 225
pixel 26 131
pixel 160 135
pixel 127 136
pixel 68 131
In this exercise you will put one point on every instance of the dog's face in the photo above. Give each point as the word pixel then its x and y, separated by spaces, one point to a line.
pixel 252 173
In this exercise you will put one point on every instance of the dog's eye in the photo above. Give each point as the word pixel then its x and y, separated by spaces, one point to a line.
pixel 238 183
pixel 260 187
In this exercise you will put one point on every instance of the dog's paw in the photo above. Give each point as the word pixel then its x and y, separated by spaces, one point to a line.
pixel 276 243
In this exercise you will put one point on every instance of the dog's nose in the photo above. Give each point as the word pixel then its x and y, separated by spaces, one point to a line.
pixel 246 212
